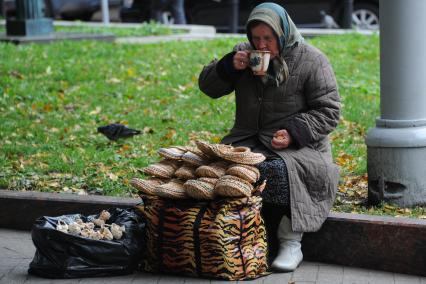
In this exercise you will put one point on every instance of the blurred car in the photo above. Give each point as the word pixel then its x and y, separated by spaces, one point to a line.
pixel 305 13
pixel 63 9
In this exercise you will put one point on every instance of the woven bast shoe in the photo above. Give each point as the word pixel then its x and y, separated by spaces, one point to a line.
pixel 185 172
pixel 246 172
pixel 173 153
pixel 213 170
pixel 212 181
pixel 240 155
pixel 259 187
pixel 147 186
pixel 173 189
pixel 163 169
pixel 194 159
pixel 198 189
pixel 232 186
pixel 206 148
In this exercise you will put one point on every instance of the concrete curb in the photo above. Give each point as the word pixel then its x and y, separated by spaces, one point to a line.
pixel 374 242
pixel 196 32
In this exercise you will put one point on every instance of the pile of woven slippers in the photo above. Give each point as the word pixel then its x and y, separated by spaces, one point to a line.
pixel 204 172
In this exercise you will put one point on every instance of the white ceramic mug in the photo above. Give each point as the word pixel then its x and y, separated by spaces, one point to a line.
pixel 259 61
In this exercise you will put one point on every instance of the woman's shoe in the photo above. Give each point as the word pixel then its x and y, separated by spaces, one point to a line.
pixel 290 251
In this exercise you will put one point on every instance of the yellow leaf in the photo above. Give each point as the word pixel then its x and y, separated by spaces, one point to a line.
pixel 124 148
pixel 97 110
pixel 171 133
pixel 47 107
pixel 131 72
pixel 54 184
pixel 114 80
pixel 216 139
pixel 390 207
pixel 112 176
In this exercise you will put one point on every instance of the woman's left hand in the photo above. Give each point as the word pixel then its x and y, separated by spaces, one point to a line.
pixel 281 139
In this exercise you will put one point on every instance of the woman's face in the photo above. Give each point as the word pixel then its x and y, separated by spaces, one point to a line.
pixel 263 38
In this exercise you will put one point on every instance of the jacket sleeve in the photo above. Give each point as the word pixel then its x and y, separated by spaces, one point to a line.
pixel 323 101
pixel 218 78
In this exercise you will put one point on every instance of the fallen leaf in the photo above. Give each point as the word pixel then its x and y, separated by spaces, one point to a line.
pixel 216 139
pixel 148 130
pixel 112 176
pixel 171 133
pixel 16 74
pixel 47 107
pixel 131 72
pixel 114 80
pixel 97 110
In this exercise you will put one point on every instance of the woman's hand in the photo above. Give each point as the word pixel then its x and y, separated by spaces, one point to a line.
pixel 241 60
pixel 281 139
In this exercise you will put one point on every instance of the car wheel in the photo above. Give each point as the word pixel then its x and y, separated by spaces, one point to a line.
pixel 365 16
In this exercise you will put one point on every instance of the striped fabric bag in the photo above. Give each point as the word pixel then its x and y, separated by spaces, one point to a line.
pixel 223 238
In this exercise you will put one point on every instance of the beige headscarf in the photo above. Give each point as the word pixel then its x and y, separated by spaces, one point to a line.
pixel 277 18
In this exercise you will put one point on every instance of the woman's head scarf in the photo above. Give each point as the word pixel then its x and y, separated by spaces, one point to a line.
pixel 287 34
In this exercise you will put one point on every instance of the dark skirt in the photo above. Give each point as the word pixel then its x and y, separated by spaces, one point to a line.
pixel 277 191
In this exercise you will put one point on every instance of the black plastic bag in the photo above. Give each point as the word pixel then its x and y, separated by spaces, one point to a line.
pixel 62 255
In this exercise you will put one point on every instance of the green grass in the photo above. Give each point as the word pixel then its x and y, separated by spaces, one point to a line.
pixel 144 29
pixel 53 97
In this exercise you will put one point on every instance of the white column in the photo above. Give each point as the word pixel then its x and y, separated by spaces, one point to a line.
pixel 396 147
pixel 105 12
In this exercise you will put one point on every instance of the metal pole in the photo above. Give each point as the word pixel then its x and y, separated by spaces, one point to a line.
pixel 29 20
pixel 396 147
pixel 233 24
pixel 348 7
pixel 105 12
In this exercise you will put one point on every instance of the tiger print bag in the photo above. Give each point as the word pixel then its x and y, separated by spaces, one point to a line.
pixel 223 238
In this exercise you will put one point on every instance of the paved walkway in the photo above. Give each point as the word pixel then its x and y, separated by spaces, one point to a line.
pixel 17 251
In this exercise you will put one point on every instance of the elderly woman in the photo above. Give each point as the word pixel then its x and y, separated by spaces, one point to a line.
pixel 287 115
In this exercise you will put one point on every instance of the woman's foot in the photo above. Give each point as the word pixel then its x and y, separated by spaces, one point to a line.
pixel 289 256
pixel 290 252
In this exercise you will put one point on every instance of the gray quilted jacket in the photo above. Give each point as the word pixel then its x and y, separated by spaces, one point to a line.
pixel 308 106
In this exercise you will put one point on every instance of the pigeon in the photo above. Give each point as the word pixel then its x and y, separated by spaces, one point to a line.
pixel 328 21
pixel 115 131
